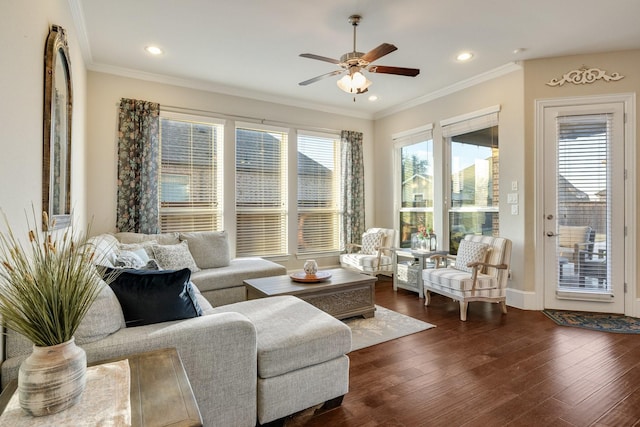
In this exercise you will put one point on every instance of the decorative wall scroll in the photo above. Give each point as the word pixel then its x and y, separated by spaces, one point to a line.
pixel 585 75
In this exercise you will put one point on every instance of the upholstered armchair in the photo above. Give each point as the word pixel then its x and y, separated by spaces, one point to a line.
pixel 374 255
pixel 478 273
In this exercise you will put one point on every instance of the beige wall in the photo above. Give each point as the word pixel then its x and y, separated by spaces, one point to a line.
pixel 105 91
pixel 538 73
pixel 24 26
pixel 507 91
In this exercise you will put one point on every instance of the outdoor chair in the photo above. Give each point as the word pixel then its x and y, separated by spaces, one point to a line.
pixel 592 265
pixel 479 272
pixel 373 255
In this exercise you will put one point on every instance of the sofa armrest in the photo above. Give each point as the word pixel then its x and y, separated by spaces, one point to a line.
pixel 219 354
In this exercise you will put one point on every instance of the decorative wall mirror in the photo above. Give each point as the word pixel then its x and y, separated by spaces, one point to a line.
pixel 58 103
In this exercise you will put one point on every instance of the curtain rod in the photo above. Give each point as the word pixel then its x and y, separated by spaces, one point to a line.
pixel 263 121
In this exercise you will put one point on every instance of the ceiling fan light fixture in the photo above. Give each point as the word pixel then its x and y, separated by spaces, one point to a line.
pixel 354 83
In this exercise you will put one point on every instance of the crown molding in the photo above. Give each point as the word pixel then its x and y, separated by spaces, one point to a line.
pixel 226 90
pixel 448 90
pixel 77 14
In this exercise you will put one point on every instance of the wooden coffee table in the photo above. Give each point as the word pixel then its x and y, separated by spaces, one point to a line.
pixel 345 294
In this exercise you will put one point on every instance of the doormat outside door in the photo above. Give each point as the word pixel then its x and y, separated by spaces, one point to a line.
pixel 603 322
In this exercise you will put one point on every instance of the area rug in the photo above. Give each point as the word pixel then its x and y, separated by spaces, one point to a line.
pixel 596 321
pixel 386 325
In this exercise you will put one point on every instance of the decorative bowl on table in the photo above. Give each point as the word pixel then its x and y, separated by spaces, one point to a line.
pixel 301 276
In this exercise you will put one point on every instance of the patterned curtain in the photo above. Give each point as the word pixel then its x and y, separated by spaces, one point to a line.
pixel 352 187
pixel 138 164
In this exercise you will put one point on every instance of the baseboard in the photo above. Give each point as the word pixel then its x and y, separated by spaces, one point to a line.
pixel 522 299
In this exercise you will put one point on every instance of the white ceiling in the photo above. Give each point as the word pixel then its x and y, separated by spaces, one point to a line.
pixel 250 47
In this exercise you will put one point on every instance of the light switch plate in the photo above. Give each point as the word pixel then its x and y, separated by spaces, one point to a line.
pixel 512 198
pixel 514 209
pixel 514 185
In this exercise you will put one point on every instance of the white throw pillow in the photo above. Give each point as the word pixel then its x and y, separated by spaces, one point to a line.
pixel 175 257
pixel 469 252
pixel 371 242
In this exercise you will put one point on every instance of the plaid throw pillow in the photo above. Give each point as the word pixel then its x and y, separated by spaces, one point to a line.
pixel 371 242
pixel 468 252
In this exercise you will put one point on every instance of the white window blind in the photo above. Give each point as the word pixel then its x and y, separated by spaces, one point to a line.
pixel 584 169
pixel 190 174
pixel 261 191
pixel 470 122
pixel 318 193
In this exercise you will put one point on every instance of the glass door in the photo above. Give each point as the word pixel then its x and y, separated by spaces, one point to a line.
pixel 584 208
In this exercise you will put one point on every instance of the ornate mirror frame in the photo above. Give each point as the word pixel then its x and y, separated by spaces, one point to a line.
pixel 58 107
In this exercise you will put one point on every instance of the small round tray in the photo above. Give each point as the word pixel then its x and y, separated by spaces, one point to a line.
pixel 301 276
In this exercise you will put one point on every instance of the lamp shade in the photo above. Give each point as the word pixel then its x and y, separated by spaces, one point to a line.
pixel 354 83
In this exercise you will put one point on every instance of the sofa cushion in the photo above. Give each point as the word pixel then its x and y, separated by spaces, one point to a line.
pixel 132 259
pixel 175 257
pixel 235 273
pixel 106 249
pixel 292 334
pixel 210 249
pixel 148 296
pixel 103 318
pixel 162 238
pixel 146 246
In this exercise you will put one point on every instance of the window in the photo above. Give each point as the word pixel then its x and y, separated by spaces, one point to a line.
pixel 473 169
pixel 261 191
pixel 415 154
pixel 318 193
pixel 190 173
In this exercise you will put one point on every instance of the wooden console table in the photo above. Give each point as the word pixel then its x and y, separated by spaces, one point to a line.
pixel 160 392
pixel 345 294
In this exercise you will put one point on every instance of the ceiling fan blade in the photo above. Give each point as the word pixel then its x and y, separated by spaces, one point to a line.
pixel 411 72
pixel 379 52
pixel 323 76
pixel 319 58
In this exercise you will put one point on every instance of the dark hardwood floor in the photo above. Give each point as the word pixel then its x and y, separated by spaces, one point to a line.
pixel 518 369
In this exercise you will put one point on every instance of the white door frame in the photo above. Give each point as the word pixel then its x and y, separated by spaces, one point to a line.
pixel 631 306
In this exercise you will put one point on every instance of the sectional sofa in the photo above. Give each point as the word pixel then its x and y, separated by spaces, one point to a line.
pixel 249 362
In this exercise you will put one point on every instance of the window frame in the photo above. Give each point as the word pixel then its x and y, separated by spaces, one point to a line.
pixel 422 134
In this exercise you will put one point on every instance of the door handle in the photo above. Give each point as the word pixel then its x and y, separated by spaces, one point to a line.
pixel 551 234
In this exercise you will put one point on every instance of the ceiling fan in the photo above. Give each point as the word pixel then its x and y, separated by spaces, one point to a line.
pixel 354 62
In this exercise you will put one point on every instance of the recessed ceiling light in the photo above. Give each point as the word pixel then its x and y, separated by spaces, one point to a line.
pixel 464 56
pixel 154 50
pixel 519 50
pixel 373 98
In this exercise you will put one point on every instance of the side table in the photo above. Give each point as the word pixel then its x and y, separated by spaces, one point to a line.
pixel 411 279
pixel 160 392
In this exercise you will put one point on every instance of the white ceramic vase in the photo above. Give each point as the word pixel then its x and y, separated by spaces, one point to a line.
pixel 310 267
pixel 52 379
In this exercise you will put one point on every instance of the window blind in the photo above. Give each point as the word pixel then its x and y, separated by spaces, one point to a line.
pixel 470 122
pixel 261 191
pixel 583 191
pixel 318 193
pixel 190 175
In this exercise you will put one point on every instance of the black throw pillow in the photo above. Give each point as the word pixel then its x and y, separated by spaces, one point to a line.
pixel 149 296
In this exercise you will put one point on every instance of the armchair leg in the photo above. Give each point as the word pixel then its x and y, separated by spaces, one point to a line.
pixel 463 310
pixel 503 306
pixel 427 297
